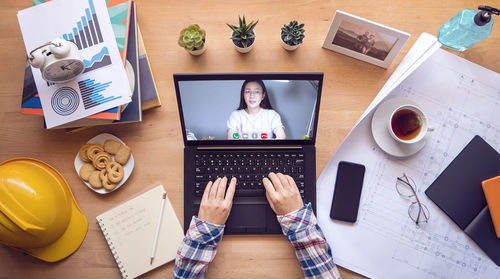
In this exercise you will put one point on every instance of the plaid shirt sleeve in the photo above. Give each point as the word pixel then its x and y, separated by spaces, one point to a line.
pixel 198 249
pixel 301 229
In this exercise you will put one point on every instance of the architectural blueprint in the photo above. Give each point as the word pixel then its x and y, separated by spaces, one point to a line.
pixel 461 99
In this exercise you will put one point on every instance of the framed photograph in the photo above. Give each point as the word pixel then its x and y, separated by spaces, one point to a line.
pixel 364 39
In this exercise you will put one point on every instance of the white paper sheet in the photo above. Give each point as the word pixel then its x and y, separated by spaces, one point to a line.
pixel 104 83
pixel 461 99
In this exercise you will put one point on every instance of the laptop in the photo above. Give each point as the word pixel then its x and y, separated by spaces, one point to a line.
pixel 247 125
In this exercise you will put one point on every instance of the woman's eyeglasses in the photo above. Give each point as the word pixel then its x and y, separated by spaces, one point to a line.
pixel 407 188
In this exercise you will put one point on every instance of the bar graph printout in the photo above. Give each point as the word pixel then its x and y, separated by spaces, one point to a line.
pixel 384 242
pixel 81 33
pixel 103 84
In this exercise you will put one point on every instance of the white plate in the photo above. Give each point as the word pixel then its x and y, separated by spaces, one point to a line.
pixel 381 134
pixel 127 168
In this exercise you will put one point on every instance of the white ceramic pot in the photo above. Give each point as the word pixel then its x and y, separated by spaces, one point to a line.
pixel 199 51
pixel 287 46
pixel 245 49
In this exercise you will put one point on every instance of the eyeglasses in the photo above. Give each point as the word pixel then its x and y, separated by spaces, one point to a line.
pixel 407 188
pixel 256 92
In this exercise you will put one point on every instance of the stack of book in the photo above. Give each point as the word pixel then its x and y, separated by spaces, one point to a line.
pixel 122 14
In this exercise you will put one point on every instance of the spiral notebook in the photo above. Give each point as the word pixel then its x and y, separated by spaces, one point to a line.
pixel 130 228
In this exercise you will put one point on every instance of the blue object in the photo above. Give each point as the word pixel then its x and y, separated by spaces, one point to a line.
pixel 467 28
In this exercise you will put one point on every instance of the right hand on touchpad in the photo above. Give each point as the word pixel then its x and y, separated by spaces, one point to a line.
pixel 282 193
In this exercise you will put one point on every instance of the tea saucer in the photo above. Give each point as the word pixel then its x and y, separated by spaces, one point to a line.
pixel 381 134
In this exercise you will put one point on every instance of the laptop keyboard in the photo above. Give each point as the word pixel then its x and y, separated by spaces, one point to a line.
pixel 249 168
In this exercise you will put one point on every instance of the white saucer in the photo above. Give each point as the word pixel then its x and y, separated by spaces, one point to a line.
pixel 127 168
pixel 381 134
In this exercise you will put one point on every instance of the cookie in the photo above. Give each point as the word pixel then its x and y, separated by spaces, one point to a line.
pixel 111 146
pixel 115 172
pixel 86 170
pixel 103 174
pixel 108 185
pixel 95 180
pixel 101 159
pixel 83 153
pixel 93 150
pixel 122 155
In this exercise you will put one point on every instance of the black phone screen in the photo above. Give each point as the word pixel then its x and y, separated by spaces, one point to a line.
pixel 347 192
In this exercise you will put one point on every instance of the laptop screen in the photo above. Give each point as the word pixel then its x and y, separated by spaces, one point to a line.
pixel 249 108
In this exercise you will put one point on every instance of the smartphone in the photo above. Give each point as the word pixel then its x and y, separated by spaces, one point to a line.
pixel 348 185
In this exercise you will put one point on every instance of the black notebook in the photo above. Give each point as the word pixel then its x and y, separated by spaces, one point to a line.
pixel 458 192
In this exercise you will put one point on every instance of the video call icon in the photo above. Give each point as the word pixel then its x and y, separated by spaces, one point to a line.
pixel 236 136
pixel 263 136
pixel 244 135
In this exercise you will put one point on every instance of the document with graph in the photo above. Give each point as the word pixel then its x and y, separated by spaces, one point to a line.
pixel 103 84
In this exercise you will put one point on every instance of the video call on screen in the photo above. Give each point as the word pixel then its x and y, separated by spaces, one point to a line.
pixel 227 110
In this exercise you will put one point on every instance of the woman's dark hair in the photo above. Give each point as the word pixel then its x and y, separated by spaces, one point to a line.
pixel 265 102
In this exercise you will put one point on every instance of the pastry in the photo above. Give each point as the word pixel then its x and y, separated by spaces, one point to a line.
pixel 95 180
pixel 83 153
pixel 122 155
pixel 93 150
pixel 101 159
pixel 115 172
pixel 103 174
pixel 111 146
pixel 108 185
pixel 86 170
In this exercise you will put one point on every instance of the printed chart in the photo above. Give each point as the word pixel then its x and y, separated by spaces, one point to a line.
pixel 90 93
pixel 103 85
pixel 97 61
pixel 86 32
pixel 65 101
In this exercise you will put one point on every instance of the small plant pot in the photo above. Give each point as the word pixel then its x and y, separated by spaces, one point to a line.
pixel 245 49
pixel 199 51
pixel 287 46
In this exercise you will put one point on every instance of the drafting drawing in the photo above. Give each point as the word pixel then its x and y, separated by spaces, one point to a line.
pixel 461 100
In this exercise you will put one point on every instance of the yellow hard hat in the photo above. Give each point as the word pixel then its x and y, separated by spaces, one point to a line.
pixel 38 213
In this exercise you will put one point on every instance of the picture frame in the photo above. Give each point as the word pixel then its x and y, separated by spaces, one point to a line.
pixel 364 39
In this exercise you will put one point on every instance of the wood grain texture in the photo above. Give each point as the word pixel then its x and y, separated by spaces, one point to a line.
pixel 157 146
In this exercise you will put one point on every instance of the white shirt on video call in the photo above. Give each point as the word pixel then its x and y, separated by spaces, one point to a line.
pixel 266 121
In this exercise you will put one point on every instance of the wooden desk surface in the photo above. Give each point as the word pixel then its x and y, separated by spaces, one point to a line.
pixel 349 87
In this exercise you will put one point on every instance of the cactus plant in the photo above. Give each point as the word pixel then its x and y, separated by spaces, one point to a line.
pixel 293 33
pixel 192 38
pixel 243 35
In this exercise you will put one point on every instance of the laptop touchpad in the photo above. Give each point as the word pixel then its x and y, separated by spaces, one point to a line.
pixel 247 218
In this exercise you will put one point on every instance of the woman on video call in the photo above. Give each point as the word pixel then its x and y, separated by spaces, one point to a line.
pixel 255 117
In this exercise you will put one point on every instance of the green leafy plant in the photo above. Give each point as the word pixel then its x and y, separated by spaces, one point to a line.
pixel 293 33
pixel 192 37
pixel 243 35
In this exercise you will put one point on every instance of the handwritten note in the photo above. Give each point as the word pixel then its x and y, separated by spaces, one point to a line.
pixel 130 227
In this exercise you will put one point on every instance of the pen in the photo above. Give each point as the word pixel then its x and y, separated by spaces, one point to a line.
pixel 158 227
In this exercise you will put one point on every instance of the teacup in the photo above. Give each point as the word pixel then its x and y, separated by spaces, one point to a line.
pixel 408 124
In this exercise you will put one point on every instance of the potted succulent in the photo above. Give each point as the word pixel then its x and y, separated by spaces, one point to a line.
pixel 292 35
pixel 193 39
pixel 243 36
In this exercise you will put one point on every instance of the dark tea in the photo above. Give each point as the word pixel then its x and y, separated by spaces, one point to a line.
pixel 406 124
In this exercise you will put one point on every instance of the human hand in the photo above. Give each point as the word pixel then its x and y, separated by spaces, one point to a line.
pixel 214 207
pixel 282 193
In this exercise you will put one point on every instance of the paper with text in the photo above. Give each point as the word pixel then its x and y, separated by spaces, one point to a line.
pixel 103 84
pixel 461 99
pixel 130 229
